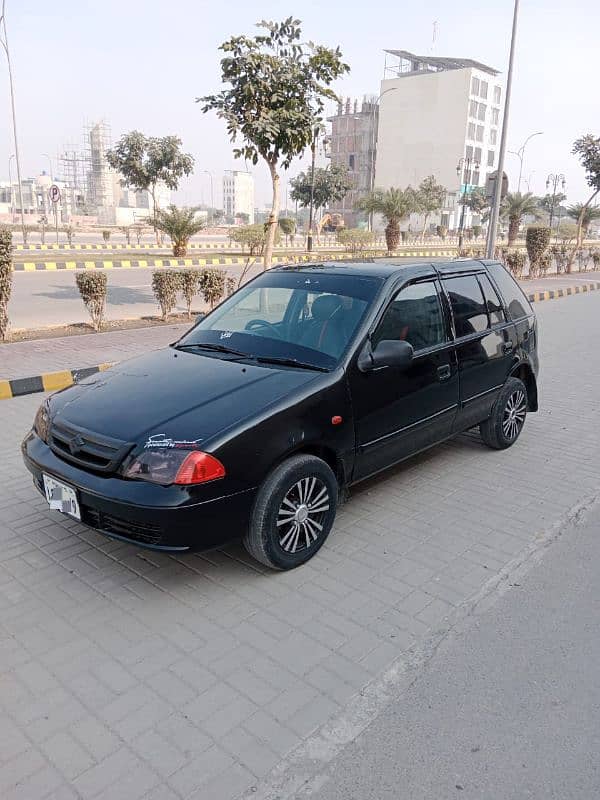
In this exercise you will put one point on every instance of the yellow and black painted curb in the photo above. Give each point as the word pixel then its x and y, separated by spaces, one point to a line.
pixel 553 294
pixel 222 261
pixel 123 246
pixel 53 381
pixel 47 382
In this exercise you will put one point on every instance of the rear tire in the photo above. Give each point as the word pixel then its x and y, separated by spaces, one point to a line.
pixel 504 425
pixel 293 513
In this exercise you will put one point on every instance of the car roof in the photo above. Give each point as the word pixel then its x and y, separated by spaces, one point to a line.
pixel 383 269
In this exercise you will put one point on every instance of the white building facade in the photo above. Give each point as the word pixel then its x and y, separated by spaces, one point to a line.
pixel 437 113
pixel 238 194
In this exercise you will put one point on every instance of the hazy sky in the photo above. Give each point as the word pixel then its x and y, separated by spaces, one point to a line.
pixel 140 64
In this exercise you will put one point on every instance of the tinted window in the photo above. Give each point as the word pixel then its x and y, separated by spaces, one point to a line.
pixel 514 299
pixel 467 303
pixel 492 301
pixel 415 316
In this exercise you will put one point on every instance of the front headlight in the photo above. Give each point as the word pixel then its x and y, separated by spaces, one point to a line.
pixel 41 423
pixel 174 466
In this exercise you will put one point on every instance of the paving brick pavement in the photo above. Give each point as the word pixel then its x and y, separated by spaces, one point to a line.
pixel 131 674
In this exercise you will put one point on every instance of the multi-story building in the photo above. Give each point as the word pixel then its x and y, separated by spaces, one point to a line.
pixel 438 113
pixel 238 194
pixel 352 143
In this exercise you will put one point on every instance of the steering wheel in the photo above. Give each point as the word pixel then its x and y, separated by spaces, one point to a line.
pixel 262 323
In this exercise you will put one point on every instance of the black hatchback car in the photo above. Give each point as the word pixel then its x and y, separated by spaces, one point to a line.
pixel 306 380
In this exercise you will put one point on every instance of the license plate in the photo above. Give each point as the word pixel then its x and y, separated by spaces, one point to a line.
pixel 61 497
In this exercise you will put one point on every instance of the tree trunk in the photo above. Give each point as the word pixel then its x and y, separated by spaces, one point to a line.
pixel 180 249
pixel 272 223
pixel 513 230
pixel 424 228
pixel 392 235
pixel 579 240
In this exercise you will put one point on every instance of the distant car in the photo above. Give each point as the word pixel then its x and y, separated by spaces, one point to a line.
pixel 305 381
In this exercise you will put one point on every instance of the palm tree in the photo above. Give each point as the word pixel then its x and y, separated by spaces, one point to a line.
pixel 514 207
pixel 394 205
pixel 180 224
pixel 590 214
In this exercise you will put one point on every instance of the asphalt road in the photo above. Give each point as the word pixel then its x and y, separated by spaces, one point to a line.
pixel 509 706
pixel 40 299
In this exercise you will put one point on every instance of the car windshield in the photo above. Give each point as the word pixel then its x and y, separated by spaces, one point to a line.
pixel 290 316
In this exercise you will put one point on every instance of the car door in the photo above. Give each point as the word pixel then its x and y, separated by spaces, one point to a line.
pixel 399 411
pixel 485 343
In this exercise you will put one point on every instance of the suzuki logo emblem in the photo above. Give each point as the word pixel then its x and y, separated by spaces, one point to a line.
pixel 76 444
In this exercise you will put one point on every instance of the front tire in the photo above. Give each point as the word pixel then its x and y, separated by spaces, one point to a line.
pixel 504 425
pixel 293 513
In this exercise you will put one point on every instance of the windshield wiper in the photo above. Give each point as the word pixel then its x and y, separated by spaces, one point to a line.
pixel 289 362
pixel 217 348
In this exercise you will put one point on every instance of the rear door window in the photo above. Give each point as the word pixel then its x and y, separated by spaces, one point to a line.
pixel 492 301
pixel 468 305
pixel 515 301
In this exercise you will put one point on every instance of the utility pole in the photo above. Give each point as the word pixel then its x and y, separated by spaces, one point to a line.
pixel 495 210
pixel 4 43
pixel 212 194
pixel 374 139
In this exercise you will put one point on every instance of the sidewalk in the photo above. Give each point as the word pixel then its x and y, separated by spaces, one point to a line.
pixel 43 357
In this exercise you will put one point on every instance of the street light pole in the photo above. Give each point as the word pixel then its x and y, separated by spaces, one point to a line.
pixel 495 210
pixel 520 153
pixel 4 43
pixel 50 162
pixel 12 215
pixel 554 180
pixel 374 139
pixel 212 194
pixel 313 148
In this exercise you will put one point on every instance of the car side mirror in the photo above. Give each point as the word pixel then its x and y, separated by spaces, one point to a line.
pixel 388 353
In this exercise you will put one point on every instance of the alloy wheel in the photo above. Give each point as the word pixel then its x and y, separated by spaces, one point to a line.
pixel 514 414
pixel 301 514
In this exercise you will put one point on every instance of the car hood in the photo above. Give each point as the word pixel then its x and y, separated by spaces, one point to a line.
pixel 176 394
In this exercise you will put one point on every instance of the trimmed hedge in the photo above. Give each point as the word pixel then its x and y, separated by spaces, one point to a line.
pixel 92 288
pixel 5 279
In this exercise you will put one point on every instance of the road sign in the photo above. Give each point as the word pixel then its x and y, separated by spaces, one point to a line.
pixel 490 185
pixel 54 193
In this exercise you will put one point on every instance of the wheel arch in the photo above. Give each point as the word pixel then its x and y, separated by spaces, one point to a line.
pixel 524 372
pixel 327 454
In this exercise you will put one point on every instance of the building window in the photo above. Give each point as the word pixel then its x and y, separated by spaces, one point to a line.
pixel 495 116
pixel 475 86
pixel 497 94
pixel 471 130
pixel 473 108
pixel 469 152
pixel 475 178
pixel 482 110
pixel 478 155
pixel 479 134
pixel 493 136
pixel 483 90
pixel 351 162
pixel 491 156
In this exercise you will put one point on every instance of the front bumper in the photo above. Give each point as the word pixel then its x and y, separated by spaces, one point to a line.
pixel 159 517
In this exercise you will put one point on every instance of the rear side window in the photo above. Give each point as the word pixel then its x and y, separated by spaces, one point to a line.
pixel 516 302
pixel 468 306
pixel 493 304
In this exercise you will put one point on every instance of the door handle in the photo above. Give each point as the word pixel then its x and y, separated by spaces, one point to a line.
pixel 444 372
pixel 507 347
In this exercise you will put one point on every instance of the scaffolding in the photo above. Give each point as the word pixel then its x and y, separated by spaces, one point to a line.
pixel 85 172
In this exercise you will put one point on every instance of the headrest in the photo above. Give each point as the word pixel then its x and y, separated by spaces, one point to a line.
pixel 325 306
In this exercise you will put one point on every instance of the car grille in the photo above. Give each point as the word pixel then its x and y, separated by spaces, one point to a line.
pixel 144 534
pixel 87 449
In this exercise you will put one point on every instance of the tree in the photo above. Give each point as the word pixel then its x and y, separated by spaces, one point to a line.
pixel 430 197
pixel 477 201
pixel 180 224
pixel 394 205
pixel 288 227
pixel 243 217
pixel 6 275
pixel 537 241
pixel 549 203
pixel 514 207
pixel 145 161
pixel 588 214
pixel 254 237
pixel 588 149
pixel 277 90
pixel 331 185
pixel 126 231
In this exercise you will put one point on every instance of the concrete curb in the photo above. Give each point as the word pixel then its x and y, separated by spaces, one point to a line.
pixel 53 381
pixel 47 381
pixel 224 261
